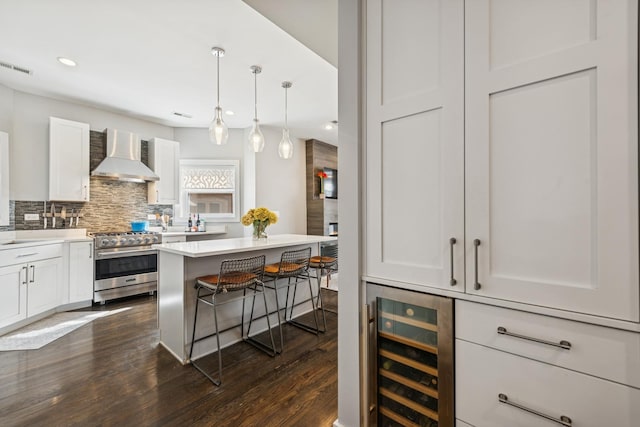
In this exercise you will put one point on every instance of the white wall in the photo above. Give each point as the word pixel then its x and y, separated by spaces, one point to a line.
pixel 29 142
pixel 6 109
pixel 281 183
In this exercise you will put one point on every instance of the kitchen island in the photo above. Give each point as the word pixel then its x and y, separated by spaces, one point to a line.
pixel 180 263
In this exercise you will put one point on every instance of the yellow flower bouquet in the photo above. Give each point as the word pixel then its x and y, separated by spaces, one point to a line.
pixel 260 218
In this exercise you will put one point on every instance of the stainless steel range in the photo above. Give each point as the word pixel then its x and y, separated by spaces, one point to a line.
pixel 125 264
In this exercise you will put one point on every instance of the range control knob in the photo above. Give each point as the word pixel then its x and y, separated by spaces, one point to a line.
pixel 138 240
pixel 104 242
pixel 131 240
pixel 123 241
pixel 113 242
pixel 155 239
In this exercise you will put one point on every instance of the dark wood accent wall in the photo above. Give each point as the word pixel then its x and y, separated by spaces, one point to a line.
pixel 320 212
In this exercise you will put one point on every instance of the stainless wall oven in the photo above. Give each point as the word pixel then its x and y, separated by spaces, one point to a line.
pixel 125 264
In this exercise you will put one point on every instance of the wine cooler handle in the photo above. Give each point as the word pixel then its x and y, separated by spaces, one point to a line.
pixel 566 345
pixel 476 284
pixel 366 407
pixel 452 281
pixel 563 420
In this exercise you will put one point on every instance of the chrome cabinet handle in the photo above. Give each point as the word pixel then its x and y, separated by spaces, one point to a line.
pixel 26 274
pixel 90 250
pixel 33 273
pixel 566 345
pixel 476 243
pixel 84 190
pixel 563 420
pixel 26 255
pixel 452 280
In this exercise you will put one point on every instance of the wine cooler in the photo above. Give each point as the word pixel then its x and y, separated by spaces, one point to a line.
pixel 408 367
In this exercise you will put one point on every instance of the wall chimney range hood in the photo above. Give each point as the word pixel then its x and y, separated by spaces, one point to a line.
pixel 123 159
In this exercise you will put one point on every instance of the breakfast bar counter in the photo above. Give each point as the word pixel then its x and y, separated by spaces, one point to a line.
pixel 181 262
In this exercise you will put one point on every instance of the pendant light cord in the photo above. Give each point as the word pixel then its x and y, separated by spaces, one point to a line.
pixel 255 93
pixel 286 126
pixel 218 86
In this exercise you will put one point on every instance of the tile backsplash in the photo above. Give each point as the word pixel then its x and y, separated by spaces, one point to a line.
pixel 113 204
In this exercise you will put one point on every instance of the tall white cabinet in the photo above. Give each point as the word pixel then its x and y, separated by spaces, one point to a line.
pixel 551 154
pixel 4 179
pixel 164 158
pixel 68 160
pixel 415 142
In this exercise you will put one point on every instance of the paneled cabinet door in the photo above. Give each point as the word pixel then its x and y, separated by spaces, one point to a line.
pixel 551 154
pixel 68 160
pixel 80 271
pixel 43 278
pixel 4 179
pixel 164 157
pixel 415 143
pixel 13 294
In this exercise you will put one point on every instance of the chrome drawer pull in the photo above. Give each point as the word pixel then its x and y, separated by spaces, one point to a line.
pixel 564 420
pixel 26 255
pixel 566 345
pixel 452 281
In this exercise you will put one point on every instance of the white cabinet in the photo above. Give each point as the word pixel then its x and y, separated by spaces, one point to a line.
pixel 517 140
pixel 29 281
pixel 13 294
pixel 68 160
pixel 415 142
pixel 551 154
pixel 4 179
pixel 80 271
pixel 164 158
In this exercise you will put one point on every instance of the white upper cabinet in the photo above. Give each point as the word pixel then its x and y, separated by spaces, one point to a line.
pixel 551 154
pixel 415 142
pixel 164 160
pixel 4 179
pixel 68 160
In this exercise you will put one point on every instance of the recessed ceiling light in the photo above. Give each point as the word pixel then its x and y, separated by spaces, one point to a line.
pixel 229 113
pixel 66 61
pixel 331 125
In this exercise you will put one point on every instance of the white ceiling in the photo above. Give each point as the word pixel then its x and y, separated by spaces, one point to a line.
pixel 149 58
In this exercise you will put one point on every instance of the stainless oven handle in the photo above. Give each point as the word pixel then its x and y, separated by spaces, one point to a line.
pixel 120 254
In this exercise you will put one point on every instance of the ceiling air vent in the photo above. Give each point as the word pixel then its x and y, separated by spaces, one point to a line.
pixel 186 116
pixel 15 68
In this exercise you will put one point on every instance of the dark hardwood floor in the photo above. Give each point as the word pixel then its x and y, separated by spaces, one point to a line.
pixel 113 372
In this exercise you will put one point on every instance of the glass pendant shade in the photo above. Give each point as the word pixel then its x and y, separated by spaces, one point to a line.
pixel 256 138
pixel 285 148
pixel 218 130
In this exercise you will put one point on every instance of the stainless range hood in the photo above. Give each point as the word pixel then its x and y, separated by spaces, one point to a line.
pixel 123 159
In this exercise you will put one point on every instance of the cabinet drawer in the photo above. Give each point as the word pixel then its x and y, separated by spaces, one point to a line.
pixel 596 350
pixel 30 253
pixel 482 374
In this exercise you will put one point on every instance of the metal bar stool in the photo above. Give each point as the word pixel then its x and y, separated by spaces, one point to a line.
pixel 293 266
pixel 235 275
pixel 325 263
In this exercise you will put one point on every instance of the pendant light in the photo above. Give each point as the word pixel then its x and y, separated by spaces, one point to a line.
pixel 285 148
pixel 256 138
pixel 218 130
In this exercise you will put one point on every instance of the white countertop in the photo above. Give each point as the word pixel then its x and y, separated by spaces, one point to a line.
pixel 26 238
pixel 241 244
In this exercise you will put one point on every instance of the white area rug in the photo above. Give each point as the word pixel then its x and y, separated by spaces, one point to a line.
pixel 42 332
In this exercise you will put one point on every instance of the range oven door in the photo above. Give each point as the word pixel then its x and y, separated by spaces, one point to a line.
pixel 125 268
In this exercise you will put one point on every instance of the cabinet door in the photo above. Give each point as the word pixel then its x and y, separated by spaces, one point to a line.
pixel 42 285
pixel 164 156
pixel 415 150
pixel 551 154
pixel 4 179
pixel 80 271
pixel 13 294
pixel 68 160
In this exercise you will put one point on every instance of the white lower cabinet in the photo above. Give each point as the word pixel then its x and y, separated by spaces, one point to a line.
pixel 495 388
pixel 13 294
pixel 80 271
pixel 29 281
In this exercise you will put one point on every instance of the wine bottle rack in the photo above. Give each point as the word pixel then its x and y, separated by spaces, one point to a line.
pixel 414 366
